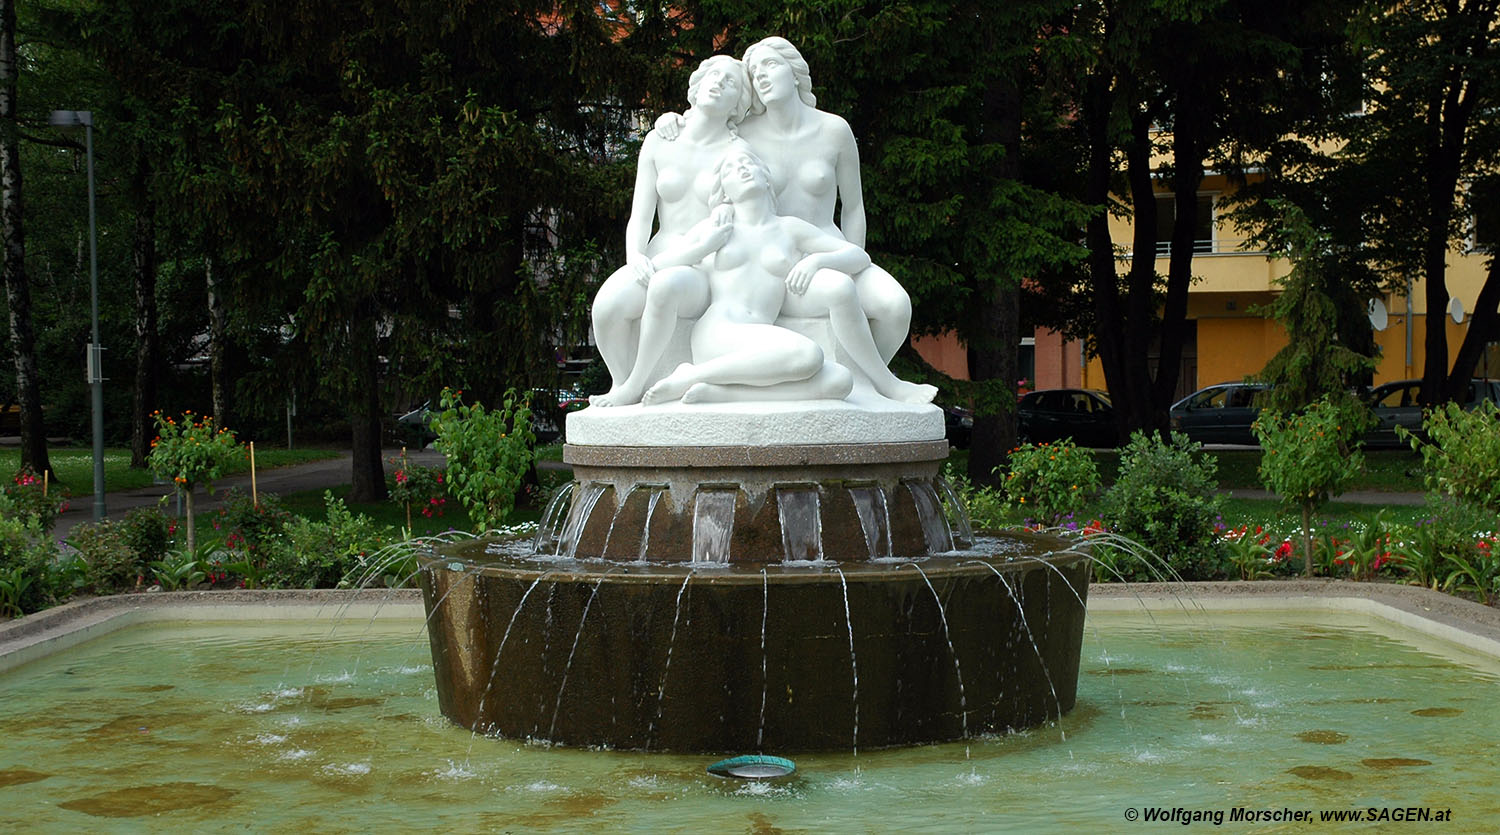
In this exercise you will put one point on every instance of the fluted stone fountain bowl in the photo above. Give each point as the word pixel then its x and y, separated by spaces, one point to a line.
pixel 822 600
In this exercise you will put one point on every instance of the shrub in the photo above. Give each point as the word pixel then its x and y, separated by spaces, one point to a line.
pixel 248 526
pixel 1463 458
pixel 415 486
pixel 109 563
pixel 1049 481
pixel 1310 456
pixel 488 453
pixel 27 557
pixel 986 506
pixel 319 554
pixel 23 496
pixel 148 532
pixel 1166 498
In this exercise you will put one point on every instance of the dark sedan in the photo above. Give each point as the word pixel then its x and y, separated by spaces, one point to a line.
pixel 1397 404
pixel 1053 414
pixel 1219 414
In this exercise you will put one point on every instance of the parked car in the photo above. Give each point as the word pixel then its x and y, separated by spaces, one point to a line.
pixel 1397 404
pixel 1053 414
pixel 958 426
pixel 1219 414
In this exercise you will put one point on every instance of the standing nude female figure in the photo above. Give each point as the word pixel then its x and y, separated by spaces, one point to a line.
pixel 814 165
pixel 739 353
pixel 637 307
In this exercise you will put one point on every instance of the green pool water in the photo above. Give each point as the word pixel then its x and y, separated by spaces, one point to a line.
pixel 309 727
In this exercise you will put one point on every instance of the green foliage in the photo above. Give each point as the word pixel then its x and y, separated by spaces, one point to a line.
pixel 1316 308
pixel 249 526
pixel 987 506
pixel 417 487
pixel 1248 553
pixel 1309 456
pixel 320 554
pixel 27 555
pixel 23 496
pixel 488 454
pixel 177 571
pixel 192 452
pixel 110 565
pixel 1051 480
pixel 1463 458
pixel 1166 499
pixel 148 532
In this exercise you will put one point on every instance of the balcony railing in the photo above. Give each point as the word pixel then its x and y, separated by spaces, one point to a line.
pixel 1213 246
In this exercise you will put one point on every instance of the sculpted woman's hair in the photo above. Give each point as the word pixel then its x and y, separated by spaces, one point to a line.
pixel 737 68
pixel 793 59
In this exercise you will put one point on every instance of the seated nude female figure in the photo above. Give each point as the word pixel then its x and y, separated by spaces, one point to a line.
pixel 739 354
pixel 637 307
pixel 814 165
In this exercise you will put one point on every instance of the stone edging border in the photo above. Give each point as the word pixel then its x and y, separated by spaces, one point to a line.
pixel 1432 613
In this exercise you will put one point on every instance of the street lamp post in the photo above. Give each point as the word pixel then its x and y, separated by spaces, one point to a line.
pixel 85 119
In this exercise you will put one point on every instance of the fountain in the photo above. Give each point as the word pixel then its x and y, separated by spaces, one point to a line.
pixel 758 551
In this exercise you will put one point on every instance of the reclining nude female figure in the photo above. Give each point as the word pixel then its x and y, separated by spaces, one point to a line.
pixel 739 354
pixel 637 307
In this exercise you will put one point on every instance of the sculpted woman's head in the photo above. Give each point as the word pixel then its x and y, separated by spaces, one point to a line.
pixel 738 171
pixel 721 79
pixel 776 68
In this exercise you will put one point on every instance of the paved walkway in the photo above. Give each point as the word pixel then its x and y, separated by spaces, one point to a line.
pixel 314 475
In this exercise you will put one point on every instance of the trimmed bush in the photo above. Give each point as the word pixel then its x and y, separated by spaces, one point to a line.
pixel 1166 499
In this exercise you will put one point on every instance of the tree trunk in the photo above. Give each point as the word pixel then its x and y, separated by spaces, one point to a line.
pixel 141 425
pixel 1307 539
pixel 218 336
pixel 367 479
pixel 17 289
pixel 994 358
pixel 187 503
pixel 1109 317
pixel 1484 328
pixel 1187 153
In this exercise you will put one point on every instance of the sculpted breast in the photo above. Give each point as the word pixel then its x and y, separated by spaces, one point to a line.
pixel 816 176
pixel 672 183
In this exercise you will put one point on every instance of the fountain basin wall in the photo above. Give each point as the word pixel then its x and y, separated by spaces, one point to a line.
pixel 738 658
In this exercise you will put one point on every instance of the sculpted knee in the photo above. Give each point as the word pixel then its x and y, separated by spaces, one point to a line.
pixel 804 360
pixel 835 288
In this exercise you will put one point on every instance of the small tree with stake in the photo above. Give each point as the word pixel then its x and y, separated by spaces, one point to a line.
pixel 1309 456
pixel 188 452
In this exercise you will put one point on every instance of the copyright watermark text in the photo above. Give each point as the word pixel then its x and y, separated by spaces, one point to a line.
pixel 1241 814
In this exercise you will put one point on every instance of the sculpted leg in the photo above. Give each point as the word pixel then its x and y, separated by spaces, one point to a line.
pixel 832 382
pixel 616 313
pixel 887 306
pixel 673 293
pixel 835 292
pixel 750 357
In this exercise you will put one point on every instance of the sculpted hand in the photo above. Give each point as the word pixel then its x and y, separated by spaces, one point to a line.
pixel 801 275
pixel 669 125
pixel 642 267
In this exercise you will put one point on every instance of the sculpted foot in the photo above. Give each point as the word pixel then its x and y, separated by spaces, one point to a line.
pixel 671 387
pixel 905 392
pixel 707 393
pixel 617 396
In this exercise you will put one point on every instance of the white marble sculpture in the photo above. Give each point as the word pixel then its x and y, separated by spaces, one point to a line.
pixel 749 294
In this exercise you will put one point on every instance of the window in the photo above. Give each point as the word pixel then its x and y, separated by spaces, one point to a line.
pixel 1484 203
pixel 1203 224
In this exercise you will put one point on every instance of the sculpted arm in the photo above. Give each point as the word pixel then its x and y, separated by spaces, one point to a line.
pixel 704 238
pixel 824 252
pixel 851 193
pixel 642 211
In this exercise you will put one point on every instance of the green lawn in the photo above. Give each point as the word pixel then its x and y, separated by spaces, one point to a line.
pixel 75 465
